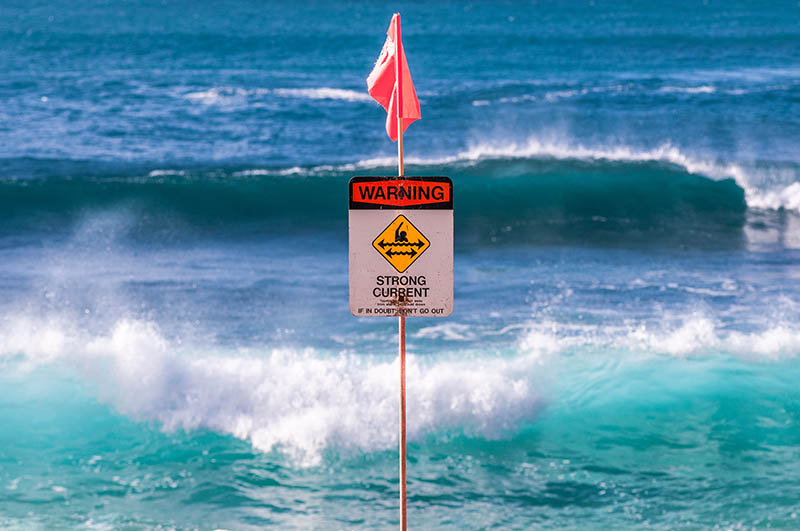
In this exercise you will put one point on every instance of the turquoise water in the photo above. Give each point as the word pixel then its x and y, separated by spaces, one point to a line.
pixel 176 348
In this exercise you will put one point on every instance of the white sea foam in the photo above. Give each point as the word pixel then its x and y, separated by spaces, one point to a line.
pixel 324 93
pixel 564 94
pixel 161 173
pixel 303 402
pixel 788 197
pixel 232 95
pixel 447 331
pixel 222 95
pixel 207 97
pixel 694 335
pixel 518 99
pixel 299 402
pixel 700 335
pixel 702 89
pixel 294 170
pixel 556 95
pixel 537 148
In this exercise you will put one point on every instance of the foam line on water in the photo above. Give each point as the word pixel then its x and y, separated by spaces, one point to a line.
pixel 324 93
pixel 695 335
pixel 237 95
pixel 702 89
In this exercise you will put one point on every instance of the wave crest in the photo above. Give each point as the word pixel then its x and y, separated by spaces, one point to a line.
pixel 752 180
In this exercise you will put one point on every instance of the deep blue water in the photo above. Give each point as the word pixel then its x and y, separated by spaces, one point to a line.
pixel 176 348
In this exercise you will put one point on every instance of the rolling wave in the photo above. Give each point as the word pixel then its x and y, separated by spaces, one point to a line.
pixel 771 187
pixel 516 194
pixel 300 402
pixel 545 192
pixel 305 403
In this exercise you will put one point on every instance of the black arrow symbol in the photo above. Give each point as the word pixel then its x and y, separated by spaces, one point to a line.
pixel 412 253
pixel 383 244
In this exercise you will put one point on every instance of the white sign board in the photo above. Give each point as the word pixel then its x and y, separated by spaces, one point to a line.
pixel 401 246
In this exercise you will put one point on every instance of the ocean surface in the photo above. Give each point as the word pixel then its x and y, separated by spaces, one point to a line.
pixel 176 350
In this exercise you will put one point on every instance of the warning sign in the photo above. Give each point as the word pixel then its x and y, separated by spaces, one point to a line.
pixel 401 243
pixel 400 192
pixel 401 246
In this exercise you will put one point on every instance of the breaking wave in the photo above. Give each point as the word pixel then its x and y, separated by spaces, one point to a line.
pixel 300 402
pixel 783 192
pixel 305 403
pixel 541 191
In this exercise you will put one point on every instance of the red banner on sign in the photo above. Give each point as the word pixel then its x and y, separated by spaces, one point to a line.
pixel 401 193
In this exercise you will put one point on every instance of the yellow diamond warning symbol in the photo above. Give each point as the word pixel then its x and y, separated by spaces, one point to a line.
pixel 401 243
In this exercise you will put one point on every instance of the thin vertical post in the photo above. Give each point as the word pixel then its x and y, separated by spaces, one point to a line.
pixel 402 334
pixel 401 320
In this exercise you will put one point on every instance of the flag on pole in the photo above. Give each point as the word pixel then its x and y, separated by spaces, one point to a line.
pixel 382 83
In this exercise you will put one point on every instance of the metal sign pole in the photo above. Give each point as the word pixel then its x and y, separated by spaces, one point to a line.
pixel 402 333
pixel 389 218
pixel 401 319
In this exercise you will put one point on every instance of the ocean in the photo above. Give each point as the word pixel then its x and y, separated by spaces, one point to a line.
pixel 176 347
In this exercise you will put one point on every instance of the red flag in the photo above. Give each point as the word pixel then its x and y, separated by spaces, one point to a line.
pixel 382 82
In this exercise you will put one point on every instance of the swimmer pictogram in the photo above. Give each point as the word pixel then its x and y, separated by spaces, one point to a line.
pixel 401 243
